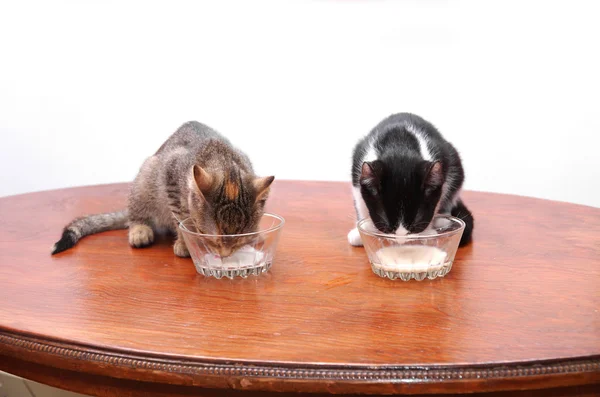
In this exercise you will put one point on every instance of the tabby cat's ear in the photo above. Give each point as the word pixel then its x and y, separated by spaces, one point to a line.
pixel 261 186
pixel 370 175
pixel 204 181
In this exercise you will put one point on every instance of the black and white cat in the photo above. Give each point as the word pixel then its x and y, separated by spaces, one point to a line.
pixel 403 173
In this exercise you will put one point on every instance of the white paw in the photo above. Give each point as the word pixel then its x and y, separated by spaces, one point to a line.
pixel 180 249
pixel 140 235
pixel 354 238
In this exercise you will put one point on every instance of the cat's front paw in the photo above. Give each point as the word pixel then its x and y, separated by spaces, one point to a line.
pixel 140 235
pixel 354 238
pixel 180 249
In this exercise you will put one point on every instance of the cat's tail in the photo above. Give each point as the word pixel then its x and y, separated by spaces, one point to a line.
pixel 462 212
pixel 87 225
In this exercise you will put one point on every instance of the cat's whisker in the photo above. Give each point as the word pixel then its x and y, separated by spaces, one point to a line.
pixel 421 224
pixel 379 225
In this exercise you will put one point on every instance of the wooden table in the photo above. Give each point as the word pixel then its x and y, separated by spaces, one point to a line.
pixel 519 310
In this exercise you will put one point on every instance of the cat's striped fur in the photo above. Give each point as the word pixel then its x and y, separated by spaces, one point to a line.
pixel 196 173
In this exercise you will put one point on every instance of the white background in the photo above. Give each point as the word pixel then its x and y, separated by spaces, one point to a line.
pixel 89 89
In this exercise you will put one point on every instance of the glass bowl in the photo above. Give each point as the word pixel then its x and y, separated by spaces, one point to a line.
pixel 429 254
pixel 253 254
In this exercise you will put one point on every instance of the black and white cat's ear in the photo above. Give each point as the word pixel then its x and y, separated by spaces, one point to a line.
pixel 204 181
pixel 261 186
pixel 370 175
pixel 434 176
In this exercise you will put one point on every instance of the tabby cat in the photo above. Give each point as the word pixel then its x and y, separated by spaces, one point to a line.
pixel 196 173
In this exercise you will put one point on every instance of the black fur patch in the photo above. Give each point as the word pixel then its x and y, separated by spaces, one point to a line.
pixel 68 240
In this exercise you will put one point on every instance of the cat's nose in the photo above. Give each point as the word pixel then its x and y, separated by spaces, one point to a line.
pixel 401 231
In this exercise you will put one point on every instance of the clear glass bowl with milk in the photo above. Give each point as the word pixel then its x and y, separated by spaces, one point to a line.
pixel 429 254
pixel 252 256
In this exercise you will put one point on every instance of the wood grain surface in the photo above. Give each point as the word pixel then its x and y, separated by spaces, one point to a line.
pixel 519 310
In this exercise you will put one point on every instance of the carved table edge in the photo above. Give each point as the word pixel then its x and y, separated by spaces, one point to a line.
pixel 365 373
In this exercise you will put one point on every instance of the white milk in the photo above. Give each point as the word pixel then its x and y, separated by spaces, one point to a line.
pixel 243 258
pixel 410 259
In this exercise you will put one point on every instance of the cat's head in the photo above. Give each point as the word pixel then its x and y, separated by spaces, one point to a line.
pixel 226 205
pixel 401 194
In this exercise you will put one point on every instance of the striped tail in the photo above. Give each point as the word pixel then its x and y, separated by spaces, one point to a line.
pixel 87 225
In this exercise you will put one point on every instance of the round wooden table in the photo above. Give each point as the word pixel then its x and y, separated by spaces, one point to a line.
pixel 520 309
